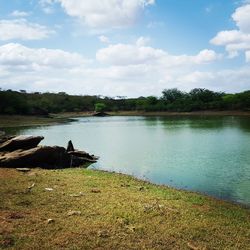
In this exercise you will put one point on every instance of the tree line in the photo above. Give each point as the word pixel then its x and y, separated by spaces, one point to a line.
pixel 198 99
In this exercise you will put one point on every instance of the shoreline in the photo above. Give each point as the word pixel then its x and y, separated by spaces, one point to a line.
pixel 196 113
pixel 8 121
pixel 89 209
pixel 148 182
pixel 163 113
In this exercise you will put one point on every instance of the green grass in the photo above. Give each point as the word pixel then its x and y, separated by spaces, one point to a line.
pixel 117 212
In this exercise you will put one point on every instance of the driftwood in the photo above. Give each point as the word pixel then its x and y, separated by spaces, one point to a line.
pixel 18 152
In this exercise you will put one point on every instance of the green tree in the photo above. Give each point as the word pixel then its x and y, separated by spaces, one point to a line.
pixel 171 95
pixel 100 107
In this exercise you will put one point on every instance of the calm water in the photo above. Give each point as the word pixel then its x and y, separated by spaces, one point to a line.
pixel 205 154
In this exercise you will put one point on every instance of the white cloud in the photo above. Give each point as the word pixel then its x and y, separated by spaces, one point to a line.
pixel 236 40
pixel 145 71
pixel 128 54
pixel 248 56
pixel 134 54
pixel 205 56
pixel 103 39
pixel 17 56
pixel 17 13
pixel 196 77
pixel 142 41
pixel 227 80
pixel 105 14
pixel 230 37
pixel 23 30
pixel 242 18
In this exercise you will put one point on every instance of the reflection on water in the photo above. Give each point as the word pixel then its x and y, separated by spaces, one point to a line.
pixel 205 154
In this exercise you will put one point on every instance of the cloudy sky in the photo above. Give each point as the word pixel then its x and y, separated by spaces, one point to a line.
pixel 124 47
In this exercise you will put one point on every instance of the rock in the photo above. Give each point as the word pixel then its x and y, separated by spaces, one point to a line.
pixel 100 114
pixel 5 138
pixel 95 190
pixel 20 142
pixel 25 170
pixel 82 155
pixel 103 234
pixel 23 151
pixel 49 189
pixel 41 156
pixel 49 221
pixel 125 185
pixel 131 228
pixel 31 186
pixel 70 213
pixel 77 195
pixel 78 157
pixel 191 246
pixel 70 146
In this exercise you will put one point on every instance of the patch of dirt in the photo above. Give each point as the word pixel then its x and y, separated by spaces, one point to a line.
pixel 15 216
pixel 8 173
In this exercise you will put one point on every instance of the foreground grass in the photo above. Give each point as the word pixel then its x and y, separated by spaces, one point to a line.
pixel 113 211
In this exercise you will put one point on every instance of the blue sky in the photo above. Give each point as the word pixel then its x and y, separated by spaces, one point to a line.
pixel 124 47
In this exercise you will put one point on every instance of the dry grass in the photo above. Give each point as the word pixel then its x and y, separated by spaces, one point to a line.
pixel 117 212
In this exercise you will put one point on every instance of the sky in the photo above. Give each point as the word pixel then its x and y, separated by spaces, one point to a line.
pixel 124 47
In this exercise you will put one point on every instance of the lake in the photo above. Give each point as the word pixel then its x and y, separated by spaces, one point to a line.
pixel 210 155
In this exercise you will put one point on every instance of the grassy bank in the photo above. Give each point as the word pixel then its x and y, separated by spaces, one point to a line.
pixel 23 121
pixel 99 210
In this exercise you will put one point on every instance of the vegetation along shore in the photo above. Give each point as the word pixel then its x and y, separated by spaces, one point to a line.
pixel 171 100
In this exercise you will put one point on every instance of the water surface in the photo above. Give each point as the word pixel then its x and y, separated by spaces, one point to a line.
pixel 205 154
